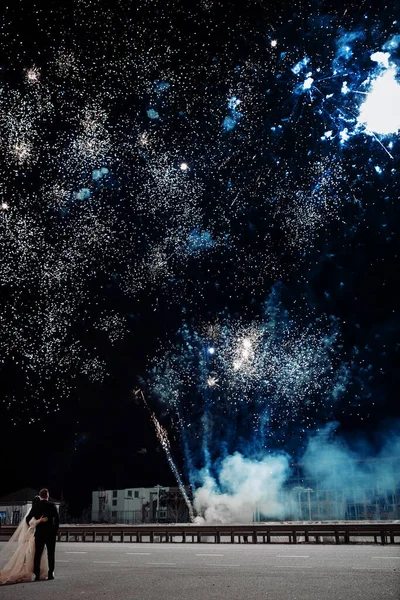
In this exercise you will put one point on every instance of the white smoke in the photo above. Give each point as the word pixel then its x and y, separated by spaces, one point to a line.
pixel 244 487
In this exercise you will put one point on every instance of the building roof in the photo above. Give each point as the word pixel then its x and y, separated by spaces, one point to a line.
pixel 22 497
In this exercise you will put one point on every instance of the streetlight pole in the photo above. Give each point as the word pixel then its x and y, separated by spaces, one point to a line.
pixel 158 488
pixel 126 518
pixel 299 490
pixel 142 499
pixel 309 490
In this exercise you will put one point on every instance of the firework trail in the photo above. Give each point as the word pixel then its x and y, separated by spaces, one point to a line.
pixel 162 436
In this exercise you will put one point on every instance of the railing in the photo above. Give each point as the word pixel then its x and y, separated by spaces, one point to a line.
pixel 378 531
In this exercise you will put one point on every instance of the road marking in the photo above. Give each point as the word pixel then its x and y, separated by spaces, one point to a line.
pixel 64 561
pixel 138 553
pixel 75 552
pixel 209 555
pixel 162 563
pixel 396 557
pixel 292 567
pixel 292 556
pixel 104 562
pixel 217 565
pixel 370 569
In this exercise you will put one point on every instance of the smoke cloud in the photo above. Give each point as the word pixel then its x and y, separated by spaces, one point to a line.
pixel 243 486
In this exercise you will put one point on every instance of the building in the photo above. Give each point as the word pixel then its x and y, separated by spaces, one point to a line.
pixel 15 506
pixel 157 504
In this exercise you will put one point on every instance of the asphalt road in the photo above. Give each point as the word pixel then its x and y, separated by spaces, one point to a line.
pixel 105 571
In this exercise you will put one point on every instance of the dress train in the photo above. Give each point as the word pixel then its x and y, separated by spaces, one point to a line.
pixel 16 558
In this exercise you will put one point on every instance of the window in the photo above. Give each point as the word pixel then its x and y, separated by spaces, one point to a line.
pixel 129 493
pixel 114 503
pixel 115 493
pixel 136 494
pixel 114 514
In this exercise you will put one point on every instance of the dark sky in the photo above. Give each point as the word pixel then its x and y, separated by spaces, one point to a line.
pixel 168 163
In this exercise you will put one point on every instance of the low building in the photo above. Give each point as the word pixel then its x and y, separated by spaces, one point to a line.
pixel 16 505
pixel 157 504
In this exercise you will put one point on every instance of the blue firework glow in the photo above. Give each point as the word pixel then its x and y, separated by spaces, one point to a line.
pixel 249 387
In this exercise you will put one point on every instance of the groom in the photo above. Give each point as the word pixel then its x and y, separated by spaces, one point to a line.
pixel 46 532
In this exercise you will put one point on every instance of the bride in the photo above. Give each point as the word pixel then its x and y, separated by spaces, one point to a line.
pixel 16 558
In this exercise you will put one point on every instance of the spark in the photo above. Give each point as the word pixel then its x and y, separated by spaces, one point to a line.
pixel 33 75
pixel 22 151
pixel 308 83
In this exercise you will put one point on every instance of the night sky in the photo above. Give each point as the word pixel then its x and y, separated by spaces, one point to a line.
pixel 200 199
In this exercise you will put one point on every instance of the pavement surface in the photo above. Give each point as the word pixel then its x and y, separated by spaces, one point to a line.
pixel 108 571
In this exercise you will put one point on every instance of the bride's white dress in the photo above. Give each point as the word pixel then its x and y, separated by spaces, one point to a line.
pixel 16 558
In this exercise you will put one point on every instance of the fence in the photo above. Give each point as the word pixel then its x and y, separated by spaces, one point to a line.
pixel 378 532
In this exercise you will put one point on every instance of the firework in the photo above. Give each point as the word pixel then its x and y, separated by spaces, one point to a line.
pixel 162 436
pixel 193 175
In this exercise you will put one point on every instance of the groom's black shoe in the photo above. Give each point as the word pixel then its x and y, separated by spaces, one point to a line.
pixel 50 576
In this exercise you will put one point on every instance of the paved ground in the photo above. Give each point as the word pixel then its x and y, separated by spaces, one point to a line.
pixel 217 572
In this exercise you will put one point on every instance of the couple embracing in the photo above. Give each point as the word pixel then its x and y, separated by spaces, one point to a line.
pixel 23 557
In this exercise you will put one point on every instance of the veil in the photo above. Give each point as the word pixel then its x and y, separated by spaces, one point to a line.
pixel 18 537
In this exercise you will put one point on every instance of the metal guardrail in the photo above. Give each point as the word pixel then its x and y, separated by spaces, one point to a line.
pixel 378 531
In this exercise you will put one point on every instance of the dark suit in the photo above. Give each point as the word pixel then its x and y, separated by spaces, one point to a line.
pixel 45 534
